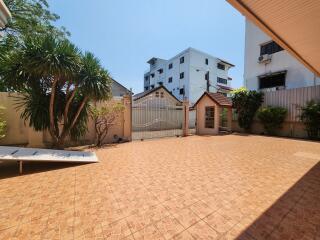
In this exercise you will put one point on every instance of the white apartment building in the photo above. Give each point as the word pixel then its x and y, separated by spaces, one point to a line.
pixel 189 74
pixel 268 67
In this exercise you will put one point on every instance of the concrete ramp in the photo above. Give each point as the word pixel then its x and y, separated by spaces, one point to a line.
pixel 45 155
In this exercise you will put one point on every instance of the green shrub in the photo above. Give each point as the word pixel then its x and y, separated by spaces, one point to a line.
pixel 310 117
pixel 3 124
pixel 272 118
pixel 246 104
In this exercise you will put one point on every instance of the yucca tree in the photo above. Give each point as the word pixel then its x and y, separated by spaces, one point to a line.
pixel 58 82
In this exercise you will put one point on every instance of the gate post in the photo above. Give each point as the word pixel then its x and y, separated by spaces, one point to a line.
pixel 185 127
pixel 127 117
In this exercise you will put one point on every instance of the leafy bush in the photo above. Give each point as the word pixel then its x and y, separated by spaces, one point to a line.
pixel 311 119
pixel 246 104
pixel 3 124
pixel 272 118
pixel 106 117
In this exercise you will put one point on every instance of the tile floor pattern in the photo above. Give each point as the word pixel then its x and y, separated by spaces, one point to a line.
pixel 219 187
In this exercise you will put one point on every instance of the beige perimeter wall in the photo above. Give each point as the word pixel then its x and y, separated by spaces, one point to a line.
pixel 19 133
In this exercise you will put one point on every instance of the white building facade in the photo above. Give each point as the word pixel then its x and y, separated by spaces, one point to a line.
pixel 189 74
pixel 268 67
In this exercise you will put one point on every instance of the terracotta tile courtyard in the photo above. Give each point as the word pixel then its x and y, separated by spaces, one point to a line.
pixel 219 187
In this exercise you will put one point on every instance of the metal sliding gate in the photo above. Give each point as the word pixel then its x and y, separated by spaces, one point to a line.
pixel 156 117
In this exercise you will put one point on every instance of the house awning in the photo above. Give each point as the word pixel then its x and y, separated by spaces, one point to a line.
pixel 225 87
pixel 294 25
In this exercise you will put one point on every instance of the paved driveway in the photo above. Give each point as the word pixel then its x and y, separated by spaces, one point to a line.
pixel 221 187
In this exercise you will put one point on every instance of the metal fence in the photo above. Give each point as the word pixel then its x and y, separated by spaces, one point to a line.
pixel 155 117
pixel 292 100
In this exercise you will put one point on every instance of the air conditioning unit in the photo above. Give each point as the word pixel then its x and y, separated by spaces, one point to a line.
pixel 265 58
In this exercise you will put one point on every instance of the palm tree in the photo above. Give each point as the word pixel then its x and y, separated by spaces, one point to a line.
pixel 57 82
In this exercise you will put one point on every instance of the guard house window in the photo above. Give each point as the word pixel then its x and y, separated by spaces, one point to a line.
pixel 209 117
pixel 170 65
pixel 273 80
pixel 270 48
pixel 152 75
pixel 182 75
pixel 222 80
pixel 181 91
pixel 157 94
pixel 161 94
pixel 221 66
pixel 181 60
pixel 207 61
pixel 170 79
pixel 206 76
pixel 160 70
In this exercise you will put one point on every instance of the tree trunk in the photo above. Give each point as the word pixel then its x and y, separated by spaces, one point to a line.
pixel 67 128
pixel 52 128
pixel 66 109
pixel 75 119
pixel 60 144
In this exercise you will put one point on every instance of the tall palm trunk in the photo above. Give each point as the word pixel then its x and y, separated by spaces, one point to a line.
pixel 59 144
pixel 54 131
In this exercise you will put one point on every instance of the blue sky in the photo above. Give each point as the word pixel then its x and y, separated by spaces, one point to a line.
pixel 124 34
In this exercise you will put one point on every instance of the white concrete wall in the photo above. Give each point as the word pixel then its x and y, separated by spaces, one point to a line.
pixel 297 75
pixel 198 84
pixel 194 81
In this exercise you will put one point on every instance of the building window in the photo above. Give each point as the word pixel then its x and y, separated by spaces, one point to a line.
pixel 170 65
pixel 181 60
pixel 160 83
pixel 152 75
pixel 222 80
pixel 160 70
pixel 182 75
pixel 146 78
pixel 181 91
pixel 270 48
pixel 170 79
pixel 152 87
pixel 146 88
pixel 207 61
pixel 221 66
pixel 206 76
pixel 273 80
pixel 209 117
